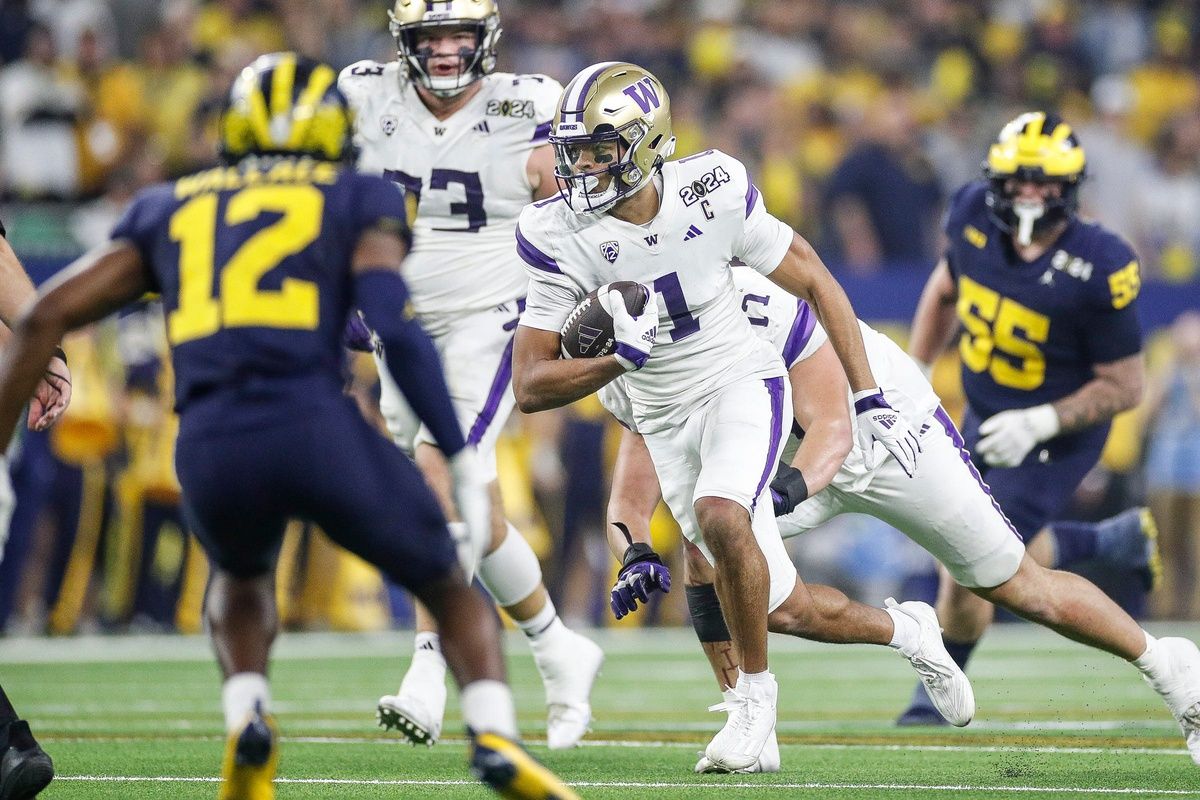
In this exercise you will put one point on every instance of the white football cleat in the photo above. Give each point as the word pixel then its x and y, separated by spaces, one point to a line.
pixel 569 665
pixel 768 759
pixel 418 708
pixel 1179 685
pixel 944 681
pixel 738 746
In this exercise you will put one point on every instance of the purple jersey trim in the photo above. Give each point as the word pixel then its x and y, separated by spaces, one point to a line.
pixel 534 257
pixel 500 385
pixel 956 438
pixel 548 201
pixel 775 389
pixel 802 331
pixel 541 133
pixel 751 196
pixel 693 157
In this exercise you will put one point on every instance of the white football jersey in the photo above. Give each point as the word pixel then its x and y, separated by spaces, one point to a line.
pixel 710 214
pixel 791 326
pixel 466 172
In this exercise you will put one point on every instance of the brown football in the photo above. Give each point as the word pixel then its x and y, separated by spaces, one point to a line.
pixel 588 331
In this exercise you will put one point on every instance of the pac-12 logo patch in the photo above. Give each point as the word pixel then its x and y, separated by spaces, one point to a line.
pixel 388 123
pixel 610 250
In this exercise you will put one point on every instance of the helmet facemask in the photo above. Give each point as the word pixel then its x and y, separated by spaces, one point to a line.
pixel 474 62
pixel 1026 218
pixel 626 178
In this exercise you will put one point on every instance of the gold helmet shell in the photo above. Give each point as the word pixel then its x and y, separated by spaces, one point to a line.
pixel 286 104
pixel 1035 147
pixel 407 18
pixel 611 101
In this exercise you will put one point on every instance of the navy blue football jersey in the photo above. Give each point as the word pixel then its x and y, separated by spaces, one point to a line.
pixel 1032 331
pixel 253 265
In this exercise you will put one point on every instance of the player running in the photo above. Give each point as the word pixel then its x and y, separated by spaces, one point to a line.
pixel 945 508
pixel 709 397
pixel 469 146
pixel 1051 351
pixel 258 264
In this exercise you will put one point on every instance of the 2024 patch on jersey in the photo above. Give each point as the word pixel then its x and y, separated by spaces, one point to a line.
pixel 710 214
pixel 466 173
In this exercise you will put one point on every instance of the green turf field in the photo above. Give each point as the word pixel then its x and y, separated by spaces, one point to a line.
pixel 138 717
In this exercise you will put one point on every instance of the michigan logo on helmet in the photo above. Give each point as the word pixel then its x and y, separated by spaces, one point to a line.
pixel 611 134
pixel 411 22
pixel 1034 148
pixel 285 104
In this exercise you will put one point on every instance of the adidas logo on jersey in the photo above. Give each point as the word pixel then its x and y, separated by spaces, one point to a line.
pixel 692 233
pixel 482 127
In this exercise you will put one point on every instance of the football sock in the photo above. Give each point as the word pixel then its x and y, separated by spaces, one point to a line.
pixel 487 707
pixel 241 694
pixel 428 664
pixel 1150 661
pixel 511 572
pixel 906 633
pixel 752 678
pixel 543 624
pixel 1074 542
pixel 427 640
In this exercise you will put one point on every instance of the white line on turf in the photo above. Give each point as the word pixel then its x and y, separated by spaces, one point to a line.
pixel 722 786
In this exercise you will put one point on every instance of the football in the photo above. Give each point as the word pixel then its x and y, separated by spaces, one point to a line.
pixel 588 331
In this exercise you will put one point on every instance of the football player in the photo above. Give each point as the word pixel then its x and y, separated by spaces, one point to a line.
pixel 1050 349
pixel 258 264
pixel 25 768
pixel 469 146
pixel 945 508
pixel 708 396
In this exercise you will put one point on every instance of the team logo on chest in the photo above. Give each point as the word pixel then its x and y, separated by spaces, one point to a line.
pixel 388 124
pixel 610 251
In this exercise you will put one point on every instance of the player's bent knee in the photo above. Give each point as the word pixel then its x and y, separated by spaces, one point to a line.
pixel 697 570
pixel 721 520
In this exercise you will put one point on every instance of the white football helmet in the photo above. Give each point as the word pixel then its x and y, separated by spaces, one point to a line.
pixel 409 17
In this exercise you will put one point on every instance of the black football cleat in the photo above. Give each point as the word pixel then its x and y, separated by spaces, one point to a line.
pixel 24 771
pixel 512 772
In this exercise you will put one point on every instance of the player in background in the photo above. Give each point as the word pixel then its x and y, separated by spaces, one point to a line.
pixel 469 146
pixel 258 264
pixel 945 508
pixel 707 394
pixel 1051 351
pixel 25 768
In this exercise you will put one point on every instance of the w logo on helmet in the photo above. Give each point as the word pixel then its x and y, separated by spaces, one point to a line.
pixel 644 94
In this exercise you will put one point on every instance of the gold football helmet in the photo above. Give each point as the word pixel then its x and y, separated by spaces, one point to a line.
pixel 285 104
pixel 1036 147
pixel 606 104
pixel 409 17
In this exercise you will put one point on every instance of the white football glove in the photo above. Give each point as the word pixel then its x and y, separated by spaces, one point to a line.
pixel 634 335
pixel 8 501
pixel 1008 436
pixel 879 422
pixel 474 503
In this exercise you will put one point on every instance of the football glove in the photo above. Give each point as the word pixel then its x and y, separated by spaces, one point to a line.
pixel 642 573
pixel 1008 436
pixel 788 489
pixel 357 336
pixel 634 335
pixel 879 422
pixel 474 505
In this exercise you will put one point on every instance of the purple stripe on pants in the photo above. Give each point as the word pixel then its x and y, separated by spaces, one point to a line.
pixel 775 389
pixel 948 425
pixel 499 386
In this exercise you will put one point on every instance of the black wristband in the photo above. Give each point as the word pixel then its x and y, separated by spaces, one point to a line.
pixel 60 354
pixel 790 484
pixel 638 552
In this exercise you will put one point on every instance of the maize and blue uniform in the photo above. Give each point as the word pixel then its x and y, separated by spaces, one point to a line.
pixel 253 264
pixel 1032 332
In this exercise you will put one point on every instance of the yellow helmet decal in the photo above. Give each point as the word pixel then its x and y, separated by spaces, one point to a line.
pixel 1035 143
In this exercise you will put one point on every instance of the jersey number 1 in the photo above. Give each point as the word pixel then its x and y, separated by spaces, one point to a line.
pixel 239 302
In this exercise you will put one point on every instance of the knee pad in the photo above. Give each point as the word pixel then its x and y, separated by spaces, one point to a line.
pixel 511 572
pixel 705 608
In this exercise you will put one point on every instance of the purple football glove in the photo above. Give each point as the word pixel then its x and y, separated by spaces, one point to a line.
pixel 358 336
pixel 642 573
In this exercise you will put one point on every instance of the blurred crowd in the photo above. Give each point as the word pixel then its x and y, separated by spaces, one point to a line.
pixel 858 119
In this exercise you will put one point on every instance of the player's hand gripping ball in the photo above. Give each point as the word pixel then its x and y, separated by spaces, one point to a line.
pixel 597 327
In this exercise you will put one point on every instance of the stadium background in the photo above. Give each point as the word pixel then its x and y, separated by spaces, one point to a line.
pixel 857 120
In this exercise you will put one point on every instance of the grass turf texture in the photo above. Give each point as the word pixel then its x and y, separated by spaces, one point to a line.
pixel 139 717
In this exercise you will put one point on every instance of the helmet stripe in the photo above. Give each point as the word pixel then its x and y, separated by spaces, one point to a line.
pixel 318 83
pixel 577 90
pixel 259 119
pixel 283 80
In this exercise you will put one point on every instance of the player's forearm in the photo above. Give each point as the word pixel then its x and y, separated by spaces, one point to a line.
pixel 550 383
pixel 15 287
pixel 822 452
pixel 1097 401
pixel 23 361
pixel 634 495
pixel 933 325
